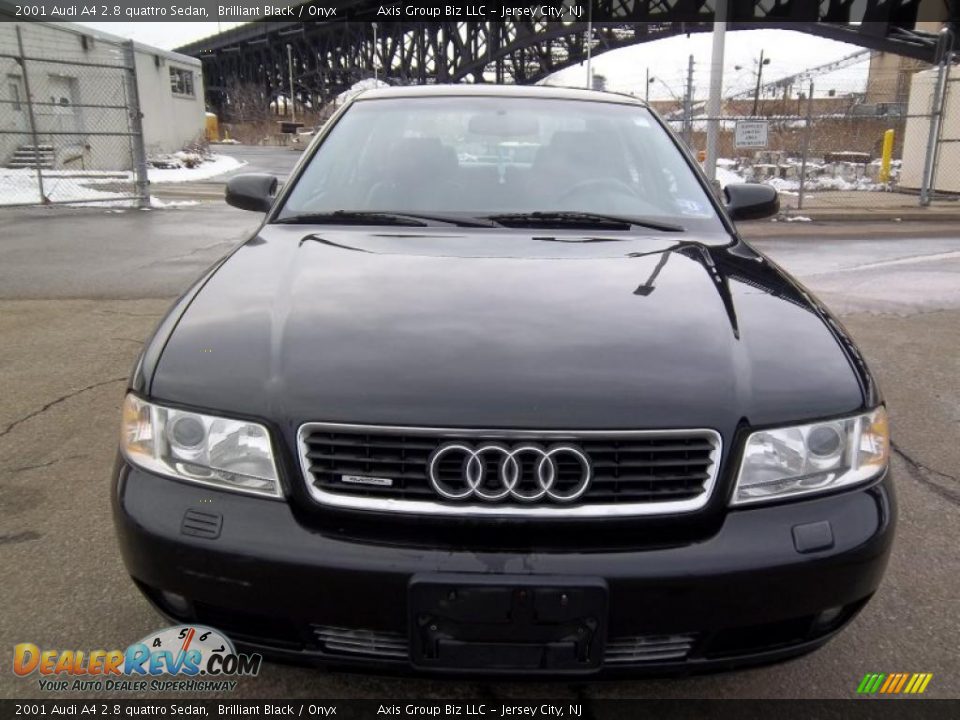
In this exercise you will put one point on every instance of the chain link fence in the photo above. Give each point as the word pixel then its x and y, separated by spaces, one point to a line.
pixel 70 124
pixel 884 147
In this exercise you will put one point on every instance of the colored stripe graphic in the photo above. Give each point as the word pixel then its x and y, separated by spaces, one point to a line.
pixel 918 683
pixel 894 683
pixel 869 681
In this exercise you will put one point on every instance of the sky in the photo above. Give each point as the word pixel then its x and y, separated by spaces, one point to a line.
pixel 625 69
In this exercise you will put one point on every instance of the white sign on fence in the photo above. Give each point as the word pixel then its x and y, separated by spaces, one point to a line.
pixel 751 133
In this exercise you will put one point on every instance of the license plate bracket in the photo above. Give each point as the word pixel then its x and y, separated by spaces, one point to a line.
pixel 507 622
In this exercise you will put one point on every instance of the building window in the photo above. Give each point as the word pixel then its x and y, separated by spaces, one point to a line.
pixel 181 81
pixel 15 95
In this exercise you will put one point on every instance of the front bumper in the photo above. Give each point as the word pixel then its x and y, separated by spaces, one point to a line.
pixel 746 595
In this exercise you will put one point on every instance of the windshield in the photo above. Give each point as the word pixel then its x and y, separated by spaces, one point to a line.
pixel 487 156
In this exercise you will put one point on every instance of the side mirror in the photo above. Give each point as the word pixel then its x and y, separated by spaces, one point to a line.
pixel 253 191
pixel 751 201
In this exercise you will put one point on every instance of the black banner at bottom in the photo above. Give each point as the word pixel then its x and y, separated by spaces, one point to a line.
pixel 861 709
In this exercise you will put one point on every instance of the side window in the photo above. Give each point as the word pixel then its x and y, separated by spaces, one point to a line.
pixel 14 91
pixel 181 81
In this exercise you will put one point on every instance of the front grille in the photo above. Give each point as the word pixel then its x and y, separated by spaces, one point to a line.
pixel 647 648
pixel 369 643
pixel 633 472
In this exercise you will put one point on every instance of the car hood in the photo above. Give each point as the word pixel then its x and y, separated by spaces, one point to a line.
pixel 504 329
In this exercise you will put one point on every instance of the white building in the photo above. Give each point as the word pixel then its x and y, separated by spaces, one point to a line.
pixel 918 133
pixel 80 96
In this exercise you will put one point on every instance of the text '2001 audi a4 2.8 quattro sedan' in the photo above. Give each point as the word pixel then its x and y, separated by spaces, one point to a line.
pixel 497 387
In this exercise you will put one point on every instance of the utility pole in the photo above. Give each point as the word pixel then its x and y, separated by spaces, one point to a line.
pixel 806 147
pixel 589 44
pixel 756 92
pixel 688 106
pixel 646 88
pixel 716 82
pixel 33 121
pixel 944 58
pixel 293 105
pixel 375 63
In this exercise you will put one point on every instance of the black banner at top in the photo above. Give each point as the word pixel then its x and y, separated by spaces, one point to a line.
pixel 904 13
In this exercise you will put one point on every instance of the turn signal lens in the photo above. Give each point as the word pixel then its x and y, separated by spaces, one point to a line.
pixel 138 436
pixel 874 447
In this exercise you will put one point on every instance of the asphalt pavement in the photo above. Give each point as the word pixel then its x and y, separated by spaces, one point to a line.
pixel 270 159
pixel 80 289
pixel 273 159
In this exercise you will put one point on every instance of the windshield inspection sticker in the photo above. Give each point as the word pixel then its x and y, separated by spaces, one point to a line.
pixel 690 207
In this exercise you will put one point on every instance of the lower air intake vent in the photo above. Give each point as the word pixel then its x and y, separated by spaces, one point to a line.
pixel 647 648
pixel 369 643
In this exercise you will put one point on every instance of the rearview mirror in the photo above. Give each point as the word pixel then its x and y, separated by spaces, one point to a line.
pixel 751 201
pixel 253 191
pixel 502 124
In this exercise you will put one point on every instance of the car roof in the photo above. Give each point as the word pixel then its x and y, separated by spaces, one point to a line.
pixel 492 90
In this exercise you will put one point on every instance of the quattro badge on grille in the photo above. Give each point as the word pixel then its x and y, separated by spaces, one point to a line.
pixel 366 480
pixel 494 472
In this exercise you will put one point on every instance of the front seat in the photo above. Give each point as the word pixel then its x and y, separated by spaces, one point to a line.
pixel 572 157
pixel 420 174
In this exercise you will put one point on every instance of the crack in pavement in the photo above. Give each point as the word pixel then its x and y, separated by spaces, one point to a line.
pixel 919 469
pixel 186 255
pixel 59 400
pixel 25 468
pixel 104 311
pixel 20 537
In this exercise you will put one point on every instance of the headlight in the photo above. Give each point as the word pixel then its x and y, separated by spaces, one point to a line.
pixel 209 450
pixel 822 456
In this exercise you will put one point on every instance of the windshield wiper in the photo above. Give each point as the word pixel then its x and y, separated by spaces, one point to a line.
pixel 586 220
pixel 346 217
pixel 365 217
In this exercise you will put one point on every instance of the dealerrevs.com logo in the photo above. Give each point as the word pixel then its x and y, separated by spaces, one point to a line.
pixel 183 658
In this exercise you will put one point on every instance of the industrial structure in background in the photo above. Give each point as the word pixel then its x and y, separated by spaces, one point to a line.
pixel 896 134
pixel 301 68
pixel 325 58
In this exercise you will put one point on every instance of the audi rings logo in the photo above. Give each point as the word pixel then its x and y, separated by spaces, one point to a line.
pixel 494 472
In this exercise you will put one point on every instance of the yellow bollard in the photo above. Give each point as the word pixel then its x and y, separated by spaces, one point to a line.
pixel 885 156
pixel 212 127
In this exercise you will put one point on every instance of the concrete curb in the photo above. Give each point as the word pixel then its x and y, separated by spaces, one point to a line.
pixel 864 215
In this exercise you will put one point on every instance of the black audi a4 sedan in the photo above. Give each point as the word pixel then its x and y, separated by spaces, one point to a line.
pixel 496 387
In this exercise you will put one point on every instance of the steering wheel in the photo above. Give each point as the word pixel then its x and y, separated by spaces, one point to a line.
pixel 609 183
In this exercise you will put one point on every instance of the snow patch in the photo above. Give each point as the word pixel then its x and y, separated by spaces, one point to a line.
pixel 156 202
pixel 726 176
pixel 215 165
pixel 107 188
